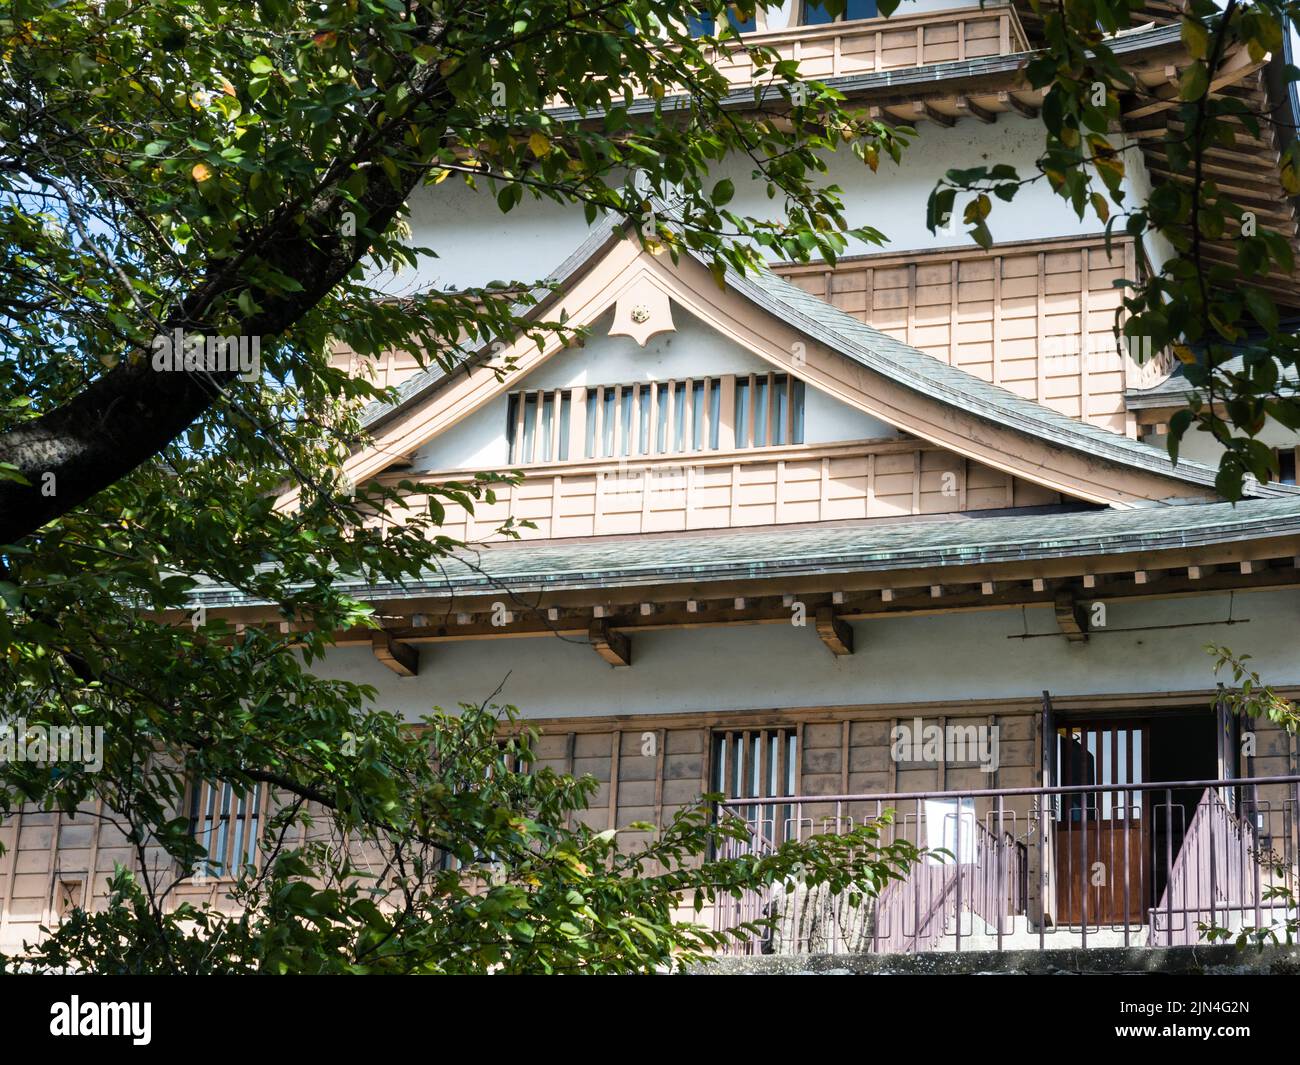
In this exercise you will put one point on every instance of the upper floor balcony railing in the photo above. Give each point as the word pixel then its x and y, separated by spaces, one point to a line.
pixel 1097 865
pixel 865 46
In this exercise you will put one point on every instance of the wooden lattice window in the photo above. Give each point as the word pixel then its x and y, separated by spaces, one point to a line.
pixel 226 824
pixel 769 410
pixel 655 418
pixel 537 426
pixel 759 763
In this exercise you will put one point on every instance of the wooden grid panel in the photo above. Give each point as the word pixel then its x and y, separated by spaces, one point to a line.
pixel 740 489
pixel 1036 319
pixel 868 45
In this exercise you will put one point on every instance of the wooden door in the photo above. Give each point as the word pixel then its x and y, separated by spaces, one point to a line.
pixel 1102 872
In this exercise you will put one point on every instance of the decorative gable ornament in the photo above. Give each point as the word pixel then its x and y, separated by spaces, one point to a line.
pixel 643 311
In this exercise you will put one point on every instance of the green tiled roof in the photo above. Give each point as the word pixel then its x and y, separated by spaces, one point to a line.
pixel 880 546
pixel 927 375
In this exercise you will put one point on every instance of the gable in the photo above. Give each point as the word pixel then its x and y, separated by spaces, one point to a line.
pixel 616 368
pixel 824 349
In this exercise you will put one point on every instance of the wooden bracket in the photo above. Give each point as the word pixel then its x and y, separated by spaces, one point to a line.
pixel 921 109
pixel 835 632
pixel 1071 618
pixel 613 646
pixel 1010 99
pixel 968 107
pixel 402 658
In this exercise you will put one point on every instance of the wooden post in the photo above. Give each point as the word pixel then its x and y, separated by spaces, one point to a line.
pixel 578 424
pixel 997 319
pixel 1041 363
pixel 727 413
pixel 1085 336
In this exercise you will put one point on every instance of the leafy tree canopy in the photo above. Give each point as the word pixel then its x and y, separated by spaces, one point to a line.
pixel 232 169
pixel 242 170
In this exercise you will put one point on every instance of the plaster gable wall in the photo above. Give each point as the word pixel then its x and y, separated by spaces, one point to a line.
pixel 476 243
pixel 693 350
pixel 1198 446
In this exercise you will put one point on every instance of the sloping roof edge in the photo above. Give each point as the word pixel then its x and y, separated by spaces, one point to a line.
pixel 899 78
pixel 877 351
pixel 748 554
pixel 951 385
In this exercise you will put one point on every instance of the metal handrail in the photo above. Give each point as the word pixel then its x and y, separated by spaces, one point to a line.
pixel 994 793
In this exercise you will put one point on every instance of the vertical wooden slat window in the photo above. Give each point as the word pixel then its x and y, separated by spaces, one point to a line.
pixel 679 416
pixel 769 411
pixel 643 424
pixel 548 428
pixel 697 416
pixel 532 432
pixel 565 416
pixel 661 421
pixel 780 409
pixel 715 412
pixel 742 412
pixel 796 412
pixel 512 434
pixel 608 414
pixel 626 431
pixel 654 418
pixel 758 764
pixel 593 397
pixel 226 824
pixel 530 427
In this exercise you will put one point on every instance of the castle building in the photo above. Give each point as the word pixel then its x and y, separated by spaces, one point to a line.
pixel 895 533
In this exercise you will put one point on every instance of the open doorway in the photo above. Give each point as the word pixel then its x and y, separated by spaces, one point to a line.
pixel 1113 846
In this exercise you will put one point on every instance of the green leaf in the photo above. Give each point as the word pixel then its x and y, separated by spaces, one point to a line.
pixel 1193 81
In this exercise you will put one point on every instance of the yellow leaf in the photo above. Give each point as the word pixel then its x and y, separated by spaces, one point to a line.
pixel 1290 178
pixel 1184 354
pixel 201 172
pixel 539 144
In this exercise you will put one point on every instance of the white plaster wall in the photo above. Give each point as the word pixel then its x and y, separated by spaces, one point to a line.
pixel 1202 447
pixel 692 350
pixel 1138 188
pixel 477 244
pixel 899 660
